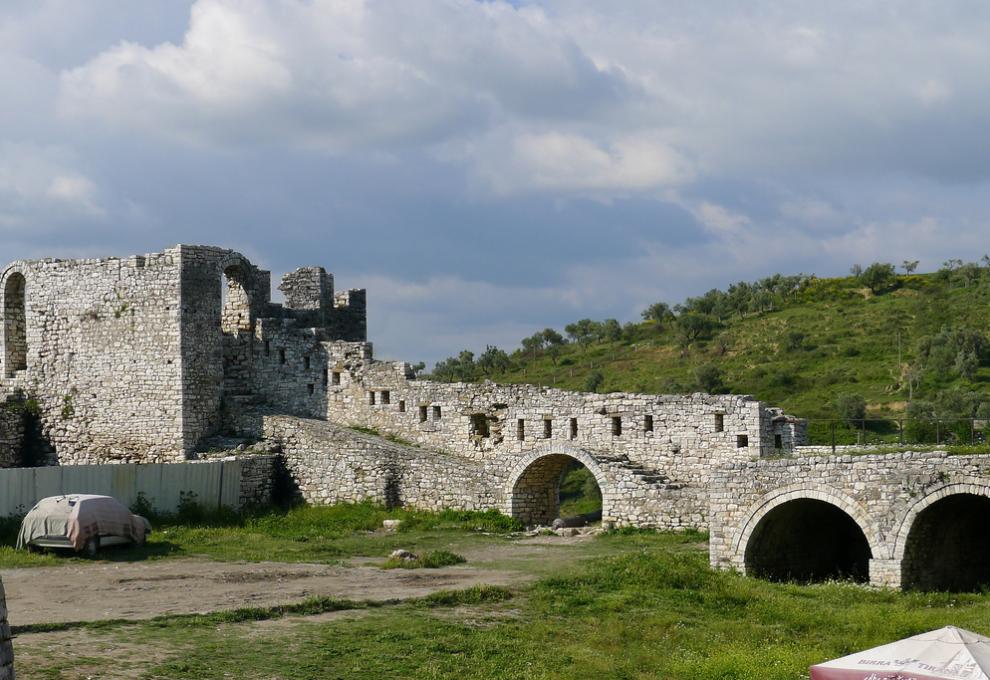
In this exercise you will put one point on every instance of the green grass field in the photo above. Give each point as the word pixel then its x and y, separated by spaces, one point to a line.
pixel 639 606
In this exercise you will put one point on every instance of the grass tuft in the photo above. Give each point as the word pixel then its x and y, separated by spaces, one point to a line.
pixel 431 560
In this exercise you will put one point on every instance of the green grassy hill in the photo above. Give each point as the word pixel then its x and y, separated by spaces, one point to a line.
pixel 922 336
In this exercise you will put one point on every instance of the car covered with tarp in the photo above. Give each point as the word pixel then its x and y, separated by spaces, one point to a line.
pixel 81 522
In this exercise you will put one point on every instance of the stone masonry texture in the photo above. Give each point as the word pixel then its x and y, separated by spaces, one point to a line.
pixel 145 358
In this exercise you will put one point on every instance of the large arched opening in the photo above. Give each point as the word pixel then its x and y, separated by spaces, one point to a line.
pixel 808 540
pixel 947 546
pixel 237 328
pixel 555 485
pixel 15 324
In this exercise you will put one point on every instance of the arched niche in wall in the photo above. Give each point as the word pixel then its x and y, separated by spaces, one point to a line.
pixel 15 324
pixel 235 315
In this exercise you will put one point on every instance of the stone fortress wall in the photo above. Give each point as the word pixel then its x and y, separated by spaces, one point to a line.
pixel 147 358
pixel 143 359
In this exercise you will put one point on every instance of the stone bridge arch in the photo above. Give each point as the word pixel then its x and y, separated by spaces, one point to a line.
pixel 849 539
pixel 940 541
pixel 532 488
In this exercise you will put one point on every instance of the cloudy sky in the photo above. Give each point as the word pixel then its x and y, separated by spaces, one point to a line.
pixel 486 169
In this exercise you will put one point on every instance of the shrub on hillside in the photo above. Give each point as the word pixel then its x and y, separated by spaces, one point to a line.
pixel 695 326
pixel 878 277
pixel 850 407
pixel 710 378
pixel 594 381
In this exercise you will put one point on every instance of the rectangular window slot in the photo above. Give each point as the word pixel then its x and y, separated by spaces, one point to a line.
pixel 402 405
pixel 616 426
pixel 547 428
pixel 648 424
pixel 521 429
pixel 422 414
pixel 323 379
pixel 479 425
pixel 306 361
pixel 335 377
pixel 573 428
pixel 281 356
pixel 742 441
pixel 436 413
pixel 371 398
pixel 309 388
pixel 778 441
pixel 386 397
pixel 719 422
pixel 268 348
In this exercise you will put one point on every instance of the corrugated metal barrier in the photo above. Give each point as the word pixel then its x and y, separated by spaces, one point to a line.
pixel 163 485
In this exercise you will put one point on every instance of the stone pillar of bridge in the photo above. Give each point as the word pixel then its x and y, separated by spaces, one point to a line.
pixel 885 573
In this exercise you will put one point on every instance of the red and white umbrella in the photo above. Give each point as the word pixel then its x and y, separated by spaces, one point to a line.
pixel 948 653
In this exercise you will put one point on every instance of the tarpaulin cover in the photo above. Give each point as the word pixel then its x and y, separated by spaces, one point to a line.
pixel 79 517
pixel 948 653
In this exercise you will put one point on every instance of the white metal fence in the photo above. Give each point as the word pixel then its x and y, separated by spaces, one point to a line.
pixel 213 484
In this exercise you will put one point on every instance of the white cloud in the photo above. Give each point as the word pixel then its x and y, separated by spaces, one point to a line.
pixel 520 161
pixel 77 190
pixel 336 74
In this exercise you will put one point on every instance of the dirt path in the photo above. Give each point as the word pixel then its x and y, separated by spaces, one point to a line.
pixel 93 592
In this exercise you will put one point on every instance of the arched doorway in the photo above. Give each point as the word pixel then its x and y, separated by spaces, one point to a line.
pixel 237 327
pixel 14 324
pixel 537 491
pixel 806 539
pixel 947 546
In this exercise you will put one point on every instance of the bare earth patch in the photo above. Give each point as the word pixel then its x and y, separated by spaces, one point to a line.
pixel 100 591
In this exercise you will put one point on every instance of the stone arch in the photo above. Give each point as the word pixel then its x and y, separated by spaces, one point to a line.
pixel 842 520
pixel 940 541
pixel 531 491
pixel 236 323
pixel 236 313
pixel 15 343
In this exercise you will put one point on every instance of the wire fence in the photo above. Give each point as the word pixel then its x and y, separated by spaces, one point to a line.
pixel 897 431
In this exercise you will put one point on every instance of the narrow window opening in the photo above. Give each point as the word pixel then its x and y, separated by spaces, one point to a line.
pixel 479 425
pixel 742 441
pixel 386 397
pixel 422 414
pixel 616 426
pixel 323 380
pixel 573 428
pixel 309 388
pixel 547 428
pixel 436 413
pixel 719 422
pixel 402 405
pixel 281 356
pixel 268 348
pixel 648 424
pixel 778 441
pixel 306 361
pixel 335 377
pixel 521 429
pixel 371 398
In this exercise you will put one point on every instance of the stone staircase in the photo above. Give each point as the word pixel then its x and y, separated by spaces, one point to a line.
pixel 653 478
